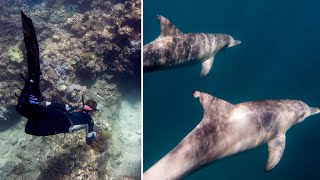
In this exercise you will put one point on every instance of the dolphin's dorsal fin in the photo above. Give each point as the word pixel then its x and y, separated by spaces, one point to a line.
pixel 275 147
pixel 166 27
pixel 212 106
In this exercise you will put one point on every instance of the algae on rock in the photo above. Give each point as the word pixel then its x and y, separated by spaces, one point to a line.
pixel 15 54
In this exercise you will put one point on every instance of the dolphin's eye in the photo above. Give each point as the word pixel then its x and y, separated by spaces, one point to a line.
pixel 302 114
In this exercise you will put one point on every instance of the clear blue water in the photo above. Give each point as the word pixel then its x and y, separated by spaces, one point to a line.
pixel 279 58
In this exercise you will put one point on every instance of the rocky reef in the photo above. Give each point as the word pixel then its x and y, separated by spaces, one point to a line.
pixel 89 47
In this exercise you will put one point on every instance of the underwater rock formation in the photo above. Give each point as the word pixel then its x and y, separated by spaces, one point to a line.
pixel 77 44
pixel 78 47
pixel 86 47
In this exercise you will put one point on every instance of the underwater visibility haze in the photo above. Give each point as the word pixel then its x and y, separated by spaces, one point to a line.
pixel 87 47
pixel 278 58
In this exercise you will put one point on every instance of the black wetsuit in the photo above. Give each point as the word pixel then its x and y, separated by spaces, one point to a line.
pixel 52 119
pixel 55 118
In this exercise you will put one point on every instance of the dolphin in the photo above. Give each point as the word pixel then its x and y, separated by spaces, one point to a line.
pixel 174 48
pixel 227 129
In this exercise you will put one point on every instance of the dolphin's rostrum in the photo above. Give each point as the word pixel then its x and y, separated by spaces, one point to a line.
pixel 174 48
pixel 227 129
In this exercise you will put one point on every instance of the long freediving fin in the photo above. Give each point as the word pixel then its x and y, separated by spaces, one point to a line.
pixel 33 59
pixel 31 44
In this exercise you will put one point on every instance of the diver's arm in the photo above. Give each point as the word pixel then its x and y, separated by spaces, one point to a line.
pixel 61 106
pixel 91 134
pixel 84 121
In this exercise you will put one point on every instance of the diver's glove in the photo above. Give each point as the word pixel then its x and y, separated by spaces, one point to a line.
pixel 91 136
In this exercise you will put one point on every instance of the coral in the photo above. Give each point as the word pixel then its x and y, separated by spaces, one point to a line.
pixel 7 3
pixel 106 134
pixel 3 111
pixel 58 16
pixel 75 24
pixel 56 38
pixel 15 54
pixel 71 8
pixel 114 36
pixel 19 169
pixel 88 56
pixel 100 143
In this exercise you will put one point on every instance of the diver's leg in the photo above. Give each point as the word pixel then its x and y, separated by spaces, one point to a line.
pixel 47 121
pixel 91 134
pixel 27 104
pixel 83 122
pixel 31 92
pixel 23 101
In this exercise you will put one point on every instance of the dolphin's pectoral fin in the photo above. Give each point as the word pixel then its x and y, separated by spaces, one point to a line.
pixel 167 28
pixel 276 147
pixel 212 106
pixel 206 66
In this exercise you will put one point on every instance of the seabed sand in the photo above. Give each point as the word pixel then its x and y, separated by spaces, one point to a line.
pixel 126 141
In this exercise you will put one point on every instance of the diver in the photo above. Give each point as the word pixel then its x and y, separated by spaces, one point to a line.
pixel 48 118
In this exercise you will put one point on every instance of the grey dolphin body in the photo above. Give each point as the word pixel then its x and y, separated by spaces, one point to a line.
pixel 227 129
pixel 174 48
